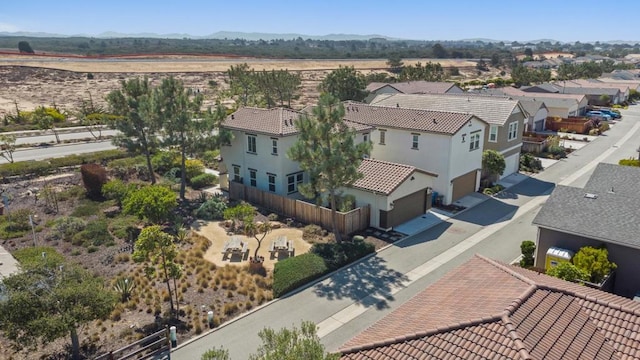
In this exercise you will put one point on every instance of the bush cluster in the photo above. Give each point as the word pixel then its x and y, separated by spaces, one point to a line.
pixel 94 176
pixel 530 163
pixel 629 162
pixel 294 272
pixel 203 180
pixel 212 209
pixel 337 255
pixel 44 167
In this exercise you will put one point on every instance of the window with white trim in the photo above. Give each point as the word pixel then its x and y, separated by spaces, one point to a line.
pixel 474 143
pixel 274 146
pixel 236 173
pixel 493 133
pixel 513 131
pixel 365 137
pixel 293 181
pixel 414 141
pixel 272 182
pixel 253 177
pixel 251 144
pixel 383 134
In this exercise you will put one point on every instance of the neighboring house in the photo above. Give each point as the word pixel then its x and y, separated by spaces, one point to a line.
pixel 488 310
pixel 396 193
pixel 542 88
pixel 635 85
pixel 505 116
pixel 412 87
pixel 595 95
pixel 592 83
pixel 537 113
pixel 604 213
pixel 257 154
pixel 448 144
pixel 561 105
pixel 623 74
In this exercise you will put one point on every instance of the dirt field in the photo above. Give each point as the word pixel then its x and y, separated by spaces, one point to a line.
pixel 34 81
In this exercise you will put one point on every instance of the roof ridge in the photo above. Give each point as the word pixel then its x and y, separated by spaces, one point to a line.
pixel 421 334
pixel 507 270
pixel 583 296
pixel 468 114
pixel 390 163
pixel 513 334
pixel 280 121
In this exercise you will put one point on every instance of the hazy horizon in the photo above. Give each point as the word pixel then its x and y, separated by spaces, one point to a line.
pixel 501 20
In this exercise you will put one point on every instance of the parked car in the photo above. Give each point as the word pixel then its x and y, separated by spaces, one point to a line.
pixel 613 114
pixel 599 114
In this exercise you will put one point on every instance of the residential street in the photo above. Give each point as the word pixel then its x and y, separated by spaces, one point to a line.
pixel 354 298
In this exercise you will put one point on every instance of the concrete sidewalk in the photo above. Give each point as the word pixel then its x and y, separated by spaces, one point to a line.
pixel 8 264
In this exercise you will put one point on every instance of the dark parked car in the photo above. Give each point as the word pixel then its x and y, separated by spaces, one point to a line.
pixel 598 114
pixel 613 114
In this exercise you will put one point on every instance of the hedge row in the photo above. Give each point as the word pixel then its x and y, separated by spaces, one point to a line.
pixel 44 167
pixel 294 272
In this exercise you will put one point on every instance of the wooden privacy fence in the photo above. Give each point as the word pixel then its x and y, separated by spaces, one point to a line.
pixel 348 222
pixel 156 346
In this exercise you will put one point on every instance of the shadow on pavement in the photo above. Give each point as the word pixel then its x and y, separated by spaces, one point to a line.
pixel 368 283
pixel 489 212
pixel 530 187
pixel 432 233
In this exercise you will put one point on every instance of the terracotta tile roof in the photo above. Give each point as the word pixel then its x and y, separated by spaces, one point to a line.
pixel 383 176
pixel 274 121
pixel 493 110
pixel 414 87
pixel 440 122
pixel 488 310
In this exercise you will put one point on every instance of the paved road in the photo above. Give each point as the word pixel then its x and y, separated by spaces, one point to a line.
pixel 50 138
pixel 354 298
pixel 41 153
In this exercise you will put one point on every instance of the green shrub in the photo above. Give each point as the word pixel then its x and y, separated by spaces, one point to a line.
pixel 117 190
pixel 165 160
pixel 294 272
pixel 556 150
pixel 629 162
pixel 528 248
pixel 87 208
pixel 203 180
pixel 17 227
pixel 74 192
pixel 123 226
pixel 193 168
pixel 347 203
pixel 603 127
pixel 312 231
pixel 488 191
pixel 210 158
pixel 21 168
pixel 67 226
pixel 212 209
pixel 530 163
pixel 337 255
pixel 96 233
pixel 173 175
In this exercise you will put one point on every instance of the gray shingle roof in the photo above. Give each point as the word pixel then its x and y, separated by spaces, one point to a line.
pixel 274 121
pixel 618 219
pixel 590 90
pixel 421 120
pixel 382 176
pixel 493 110
pixel 531 106
pixel 545 87
pixel 415 87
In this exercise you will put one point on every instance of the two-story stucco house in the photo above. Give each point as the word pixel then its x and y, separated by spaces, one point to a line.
pixel 448 144
pixel 412 87
pixel 505 116
pixel 257 153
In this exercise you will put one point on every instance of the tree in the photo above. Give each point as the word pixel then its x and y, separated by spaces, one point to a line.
pixel 345 83
pixel 567 271
pixel 242 83
pixel 605 99
pixel 7 146
pixel 45 121
pixel 527 248
pixel 154 246
pixel 495 59
pixel 25 47
pixel 395 64
pixel 493 164
pixel 154 202
pixel 216 354
pixel 292 344
pixel 239 213
pixel 594 262
pixel 92 117
pixel 327 151
pixel 138 129
pixel 176 108
pixel 94 176
pixel 429 72
pixel 439 51
pixel 258 230
pixel 49 299
pixel 528 52
pixel 482 65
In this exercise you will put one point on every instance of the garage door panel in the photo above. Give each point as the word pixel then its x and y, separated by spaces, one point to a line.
pixel 464 185
pixel 407 208
pixel 512 165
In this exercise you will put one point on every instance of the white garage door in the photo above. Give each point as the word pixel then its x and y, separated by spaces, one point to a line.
pixel 512 164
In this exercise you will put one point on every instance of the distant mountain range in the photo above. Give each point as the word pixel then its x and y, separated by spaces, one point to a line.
pixel 270 36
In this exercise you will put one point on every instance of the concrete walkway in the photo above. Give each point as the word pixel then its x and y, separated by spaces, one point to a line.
pixel 8 264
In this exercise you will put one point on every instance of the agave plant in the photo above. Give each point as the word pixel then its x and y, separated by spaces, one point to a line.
pixel 182 233
pixel 124 287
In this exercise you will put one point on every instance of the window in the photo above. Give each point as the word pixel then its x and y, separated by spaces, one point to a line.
pixel 383 133
pixel 493 133
pixel 513 131
pixel 251 144
pixel 414 141
pixel 365 137
pixel 274 146
pixel 272 182
pixel 253 177
pixel 293 181
pixel 236 174
pixel 474 143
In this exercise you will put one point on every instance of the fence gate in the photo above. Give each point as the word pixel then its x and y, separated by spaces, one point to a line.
pixel 156 346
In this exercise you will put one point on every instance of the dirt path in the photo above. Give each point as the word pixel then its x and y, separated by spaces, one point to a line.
pixel 218 235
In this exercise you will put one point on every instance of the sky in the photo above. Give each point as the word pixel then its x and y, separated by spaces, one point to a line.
pixel 519 20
